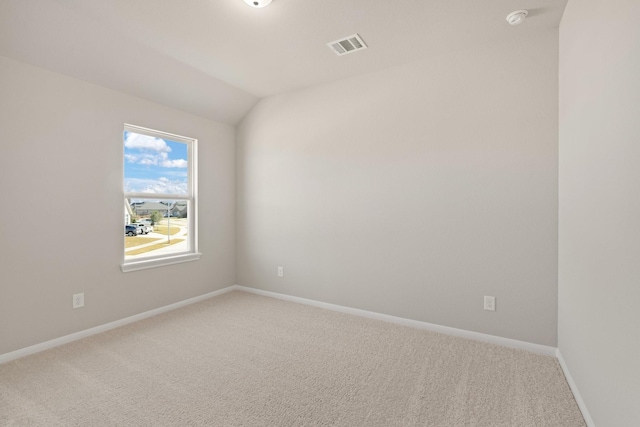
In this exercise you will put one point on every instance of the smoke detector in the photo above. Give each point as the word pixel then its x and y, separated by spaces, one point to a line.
pixel 347 45
pixel 258 3
pixel 516 18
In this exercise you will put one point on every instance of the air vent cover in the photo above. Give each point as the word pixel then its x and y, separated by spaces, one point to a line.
pixel 347 45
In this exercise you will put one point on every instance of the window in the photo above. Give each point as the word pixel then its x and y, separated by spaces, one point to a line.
pixel 159 198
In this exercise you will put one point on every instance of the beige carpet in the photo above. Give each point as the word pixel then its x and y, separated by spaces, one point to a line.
pixel 245 360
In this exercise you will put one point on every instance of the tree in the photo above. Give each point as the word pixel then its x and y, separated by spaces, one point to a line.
pixel 156 217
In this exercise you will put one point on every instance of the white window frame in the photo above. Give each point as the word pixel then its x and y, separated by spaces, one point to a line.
pixel 191 254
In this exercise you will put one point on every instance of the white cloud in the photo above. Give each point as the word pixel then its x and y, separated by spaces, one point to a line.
pixel 150 151
pixel 146 143
pixel 176 163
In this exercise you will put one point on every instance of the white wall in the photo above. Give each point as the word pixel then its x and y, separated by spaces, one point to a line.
pixel 413 191
pixel 599 238
pixel 61 228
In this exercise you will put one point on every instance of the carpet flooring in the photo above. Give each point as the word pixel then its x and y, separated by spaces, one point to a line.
pixel 241 359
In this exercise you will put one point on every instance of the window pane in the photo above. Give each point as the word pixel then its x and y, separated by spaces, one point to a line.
pixel 154 165
pixel 160 198
pixel 160 227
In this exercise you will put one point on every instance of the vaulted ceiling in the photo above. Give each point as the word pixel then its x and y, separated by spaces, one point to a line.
pixel 216 58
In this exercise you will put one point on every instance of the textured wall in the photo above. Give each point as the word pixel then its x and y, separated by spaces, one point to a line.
pixel 61 228
pixel 599 237
pixel 413 191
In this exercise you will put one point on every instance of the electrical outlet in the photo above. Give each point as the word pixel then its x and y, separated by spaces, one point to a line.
pixel 490 303
pixel 78 300
pixel 280 271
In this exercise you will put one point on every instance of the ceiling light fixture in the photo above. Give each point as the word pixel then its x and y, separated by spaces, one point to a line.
pixel 258 3
pixel 516 18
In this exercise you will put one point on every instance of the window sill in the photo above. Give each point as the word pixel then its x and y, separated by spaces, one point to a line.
pixel 153 263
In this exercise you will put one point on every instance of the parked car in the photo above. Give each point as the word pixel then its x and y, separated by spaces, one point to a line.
pixel 131 230
pixel 144 228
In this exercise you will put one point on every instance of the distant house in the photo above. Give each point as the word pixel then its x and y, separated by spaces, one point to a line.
pixel 179 209
pixel 146 208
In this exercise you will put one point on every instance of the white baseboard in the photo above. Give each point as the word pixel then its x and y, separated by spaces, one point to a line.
pixel 574 390
pixel 103 328
pixel 506 342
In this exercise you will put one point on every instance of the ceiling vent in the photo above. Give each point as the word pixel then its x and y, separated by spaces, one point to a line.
pixel 347 45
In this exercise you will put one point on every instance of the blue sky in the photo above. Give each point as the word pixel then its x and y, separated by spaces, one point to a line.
pixel 154 165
